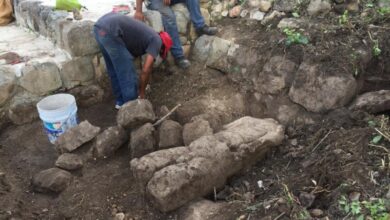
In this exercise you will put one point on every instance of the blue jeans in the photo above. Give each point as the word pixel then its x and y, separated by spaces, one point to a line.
pixel 120 67
pixel 169 20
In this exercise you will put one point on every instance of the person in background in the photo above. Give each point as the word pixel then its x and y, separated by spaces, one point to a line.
pixel 169 22
pixel 121 39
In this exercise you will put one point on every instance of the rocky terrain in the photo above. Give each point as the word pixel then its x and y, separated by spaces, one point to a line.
pixel 283 115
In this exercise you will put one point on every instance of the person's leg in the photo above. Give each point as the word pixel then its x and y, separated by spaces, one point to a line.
pixel 109 66
pixel 195 13
pixel 125 76
pixel 170 26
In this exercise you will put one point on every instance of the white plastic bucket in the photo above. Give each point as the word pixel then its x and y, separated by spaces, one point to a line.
pixel 58 113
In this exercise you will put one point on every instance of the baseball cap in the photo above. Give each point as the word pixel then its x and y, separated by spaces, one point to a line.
pixel 167 42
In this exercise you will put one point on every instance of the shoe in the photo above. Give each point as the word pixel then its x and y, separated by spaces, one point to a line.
pixel 117 107
pixel 183 63
pixel 206 30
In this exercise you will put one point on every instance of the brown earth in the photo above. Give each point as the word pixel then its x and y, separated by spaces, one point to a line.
pixel 327 160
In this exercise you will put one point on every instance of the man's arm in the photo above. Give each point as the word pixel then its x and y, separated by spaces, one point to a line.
pixel 145 75
pixel 138 11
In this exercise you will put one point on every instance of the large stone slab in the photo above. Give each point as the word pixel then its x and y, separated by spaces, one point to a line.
pixel 76 137
pixel 51 180
pixel 179 175
pixel 320 91
pixel 109 141
pixel 373 102
pixel 41 78
pixel 135 113
pixel 142 141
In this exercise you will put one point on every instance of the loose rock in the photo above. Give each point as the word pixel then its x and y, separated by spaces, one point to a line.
pixel 51 180
pixel 142 141
pixel 306 199
pixel 317 7
pixel 76 137
pixel 285 5
pixel 205 210
pixel 265 6
pixel 170 133
pixel 235 11
pixel 69 161
pixel 256 15
pixel 373 102
pixel 135 113
pixel 316 213
pixel 109 141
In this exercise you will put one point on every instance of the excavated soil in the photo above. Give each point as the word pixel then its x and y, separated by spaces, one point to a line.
pixel 327 160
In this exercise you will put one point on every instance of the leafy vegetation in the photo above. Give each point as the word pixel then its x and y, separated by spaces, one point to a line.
pixel 374 209
pixel 294 37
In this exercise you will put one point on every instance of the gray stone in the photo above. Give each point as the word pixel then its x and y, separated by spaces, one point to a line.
pixel 77 136
pixel 41 78
pixel 206 210
pixel 317 7
pixel 88 95
pixel 153 19
pixel 7 84
pixel 170 134
pixel 277 75
pixel 202 47
pixel 291 23
pixel 384 3
pixel 77 71
pixel 142 141
pixel 316 213
pixel 272 16
pixel 306 199
pixel 176 176
pixel 353 5
pixel 51 180
pixel 135 113
pixel 69 161
pixel 218 53
pixel 256 15
pixel 109 141
pixel 77 38
pixel 22 110
pixel 195 130
pixel 52 21
pixel 373 102
pixel 285 5
pixel 318 91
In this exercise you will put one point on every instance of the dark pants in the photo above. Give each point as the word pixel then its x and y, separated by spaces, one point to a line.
pixel 120 67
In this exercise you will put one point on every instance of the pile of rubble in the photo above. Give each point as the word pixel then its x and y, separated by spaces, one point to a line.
pixel 173 164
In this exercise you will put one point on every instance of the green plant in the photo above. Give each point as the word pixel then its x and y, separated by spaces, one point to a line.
pixel 344 18
pixel 375 49
pixel 375 209
pixel 384 11
pixel 303 215
pixel 294 37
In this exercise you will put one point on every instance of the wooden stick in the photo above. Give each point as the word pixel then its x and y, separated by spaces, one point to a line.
pixel 380 147
pixel 166 116
pixel 381 133
pixel 330 131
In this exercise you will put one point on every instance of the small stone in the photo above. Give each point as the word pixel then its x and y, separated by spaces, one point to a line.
pixel 69 161
pixel 306 199
pixel 353 5
pixel 388 194
pixel 225 13
pixel 281 201
pixel 354 196
pixel 235 11
pixel 265 6
pixel 316 213
pixel 119 216
pixel 51 180
pixel 294 142
pixel 170 133
pixel 75 137
pixel 317 7
pixel 244 13
pixel 256 15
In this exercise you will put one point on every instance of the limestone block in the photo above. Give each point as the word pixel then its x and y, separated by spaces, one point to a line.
pixel 77 136
pixel 142 141
pixel 77 38
pixel 87 95
pixel 22 110
pixel 109 141
pixel 77 71
pixel 135 113
pixel 196 129
pixel 153 19
pixel 41 78
pixel 170 133
pixel 373 102
pixel 51 180
pixel 69 161
pixel 7 84
pixel 202 47
pixel 318 91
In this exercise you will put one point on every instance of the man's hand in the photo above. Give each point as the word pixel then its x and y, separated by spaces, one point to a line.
pixel 139 15
pixel 167 2
pixel 145 74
